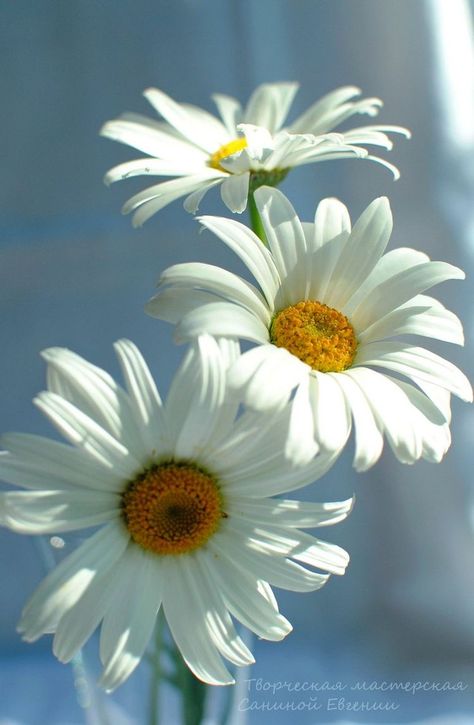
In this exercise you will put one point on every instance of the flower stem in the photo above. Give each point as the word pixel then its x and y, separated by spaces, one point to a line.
pixel 154 718
pixel 255 220
pixel 193 693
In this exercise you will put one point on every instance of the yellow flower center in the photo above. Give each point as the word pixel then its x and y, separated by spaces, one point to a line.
pixel 172 508
pixel 317 334
pixel 226 150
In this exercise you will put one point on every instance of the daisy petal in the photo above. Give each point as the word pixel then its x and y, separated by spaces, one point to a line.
pixel 234 192
pixel 269 104
pixel 221 319
pixel 360 254
pixel 129 622
pixel 185 623
pixel 48 512
pixel 63 587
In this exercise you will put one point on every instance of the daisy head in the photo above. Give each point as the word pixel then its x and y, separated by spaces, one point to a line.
pixel 325 320
pixel 243 149
pixel 181 493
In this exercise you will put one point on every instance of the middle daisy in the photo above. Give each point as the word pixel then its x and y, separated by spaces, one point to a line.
pixel 329 298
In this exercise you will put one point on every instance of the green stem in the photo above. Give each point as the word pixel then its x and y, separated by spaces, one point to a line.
pixel 255 220
pixel 156 673
pixel 193 693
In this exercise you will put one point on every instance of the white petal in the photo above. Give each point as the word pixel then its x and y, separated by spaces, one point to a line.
pixel 217 620
pixel 222 319
pixel 393 412
pixel 129 622
pixel 396 290
pixel 160 142
pixel 269 104
pixel 266 375
pixel 360 254
pixel 191 203
pixel 43 512
pixel 397 260
pixel 309 121
pixel 50 464
pixel 193 419
pixel 418 363
pixel 146 401
pixel 285 236
pixel 62 588
pixel 411 319
pixel 80 621
pixel 250 250
pixel 301 446
pixel 152 167
pixel 152 200
pixel 278 571
pixel 85 433
pixel 234 192
pixel 196 125
pixel 95 393
pixel 185 620
pixel 244 598
pixel 171 304
pixel 331 413
pixel 219 282
pixel 288 512
pixel 230 111
pixel 368 438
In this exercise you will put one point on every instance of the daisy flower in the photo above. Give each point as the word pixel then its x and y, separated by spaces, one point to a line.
pixel 243 149
pixel 330 302
pixel 182 494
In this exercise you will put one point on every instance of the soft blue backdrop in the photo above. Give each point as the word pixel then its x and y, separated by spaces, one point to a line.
pixel 73 272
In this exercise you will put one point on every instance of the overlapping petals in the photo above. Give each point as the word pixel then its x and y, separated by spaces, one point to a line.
pixel 347 269
pixel 115 433
pixel 184 145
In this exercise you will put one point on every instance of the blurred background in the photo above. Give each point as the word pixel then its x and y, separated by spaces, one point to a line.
pixel 74 273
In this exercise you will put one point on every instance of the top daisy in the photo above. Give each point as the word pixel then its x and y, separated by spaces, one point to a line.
pixel 246 149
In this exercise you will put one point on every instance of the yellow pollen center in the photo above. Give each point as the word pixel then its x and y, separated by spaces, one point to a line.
pixel 226 150
pixel 317 334
pixel 172 508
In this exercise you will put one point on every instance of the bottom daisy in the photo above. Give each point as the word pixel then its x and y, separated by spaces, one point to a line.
pixel 182 493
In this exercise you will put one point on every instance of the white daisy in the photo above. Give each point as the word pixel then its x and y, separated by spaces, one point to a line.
pixel 182 494
pixel 244 149
pixel 329 301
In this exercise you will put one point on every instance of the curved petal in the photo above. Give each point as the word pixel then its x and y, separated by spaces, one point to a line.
pixel 51 512
pixel 50 464
pixel 284 234
pixel 185 620
pixel 416 362
pixel 399 288
pixel 63 587
pixel 250 250
pixel 331 413
pixel 225 285
pixel 368 438
pixel 85 433
pixel 269 104
pixel 204 130
pixel 360 254
pixel 234 192
pixel 221 319
pixel 288 512
pixel 129 622
pixel 266 376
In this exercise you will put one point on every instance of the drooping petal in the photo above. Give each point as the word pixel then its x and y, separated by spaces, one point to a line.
pixel 129 622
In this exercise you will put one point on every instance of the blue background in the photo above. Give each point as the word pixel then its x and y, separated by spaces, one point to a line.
pixel 73 272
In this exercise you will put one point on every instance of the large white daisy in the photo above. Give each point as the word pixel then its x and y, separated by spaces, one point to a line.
pixel 181 492
pixel 244 149
pixel 330 302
